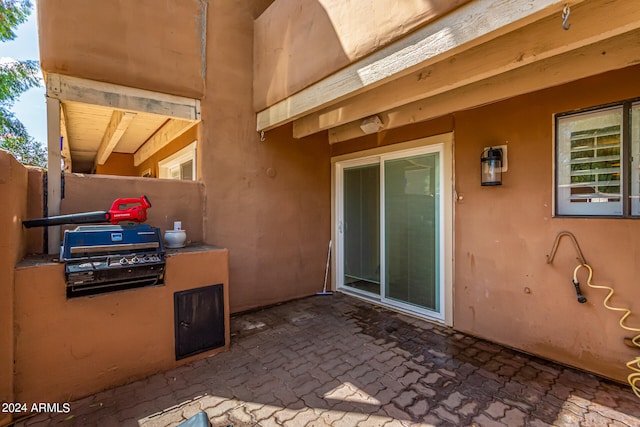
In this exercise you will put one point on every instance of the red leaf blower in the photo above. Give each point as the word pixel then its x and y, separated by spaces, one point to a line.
pixel 127 209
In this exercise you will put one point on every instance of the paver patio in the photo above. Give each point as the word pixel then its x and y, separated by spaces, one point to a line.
pixel 339 361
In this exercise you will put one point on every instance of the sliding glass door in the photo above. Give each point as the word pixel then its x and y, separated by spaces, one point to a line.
pixel 389 213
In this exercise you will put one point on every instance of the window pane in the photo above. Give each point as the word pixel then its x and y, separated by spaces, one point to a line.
pixel 635 155
pixel 411 198
pixel 186 171
pixel 590 163
pixel 362 228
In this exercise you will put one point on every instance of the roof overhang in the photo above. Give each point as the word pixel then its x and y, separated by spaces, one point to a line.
pixel 482 52
pixel 98 119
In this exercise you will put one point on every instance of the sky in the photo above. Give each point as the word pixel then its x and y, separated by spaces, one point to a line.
pixel 30 108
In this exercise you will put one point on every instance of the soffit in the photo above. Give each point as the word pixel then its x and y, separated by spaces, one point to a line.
pixel 98 119
pixel 86 124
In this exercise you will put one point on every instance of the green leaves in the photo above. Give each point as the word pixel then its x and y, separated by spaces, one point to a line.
pixel 12 14
pixel 25 149
pixel 17 77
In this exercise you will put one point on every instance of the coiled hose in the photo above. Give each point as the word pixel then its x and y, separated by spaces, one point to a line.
pixel 634 364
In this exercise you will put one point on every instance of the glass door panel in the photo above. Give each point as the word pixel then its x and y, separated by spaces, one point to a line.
pixel 361 228
pixel 411 230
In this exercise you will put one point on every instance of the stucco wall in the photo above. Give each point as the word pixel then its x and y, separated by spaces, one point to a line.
pixel 118 164
pixel 268 202
pixel 503 235
pixel 170 200
pixel 299 42
pixel 69 348
pixel 504 290
pixel 147 44
pixel 13 188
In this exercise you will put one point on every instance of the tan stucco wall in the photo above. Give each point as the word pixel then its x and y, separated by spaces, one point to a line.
pixel 504 290
pixel 69 348
pixel 118 164
pixel 170 200
pixel 503 235
pixel 149 44
pixel 299 42
pixel 13 189
pixel 268 202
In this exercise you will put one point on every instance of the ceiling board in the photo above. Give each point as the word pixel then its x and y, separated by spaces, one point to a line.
pixel 87 123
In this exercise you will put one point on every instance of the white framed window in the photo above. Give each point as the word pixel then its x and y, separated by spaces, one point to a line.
pixel 180 165
pixel 596 161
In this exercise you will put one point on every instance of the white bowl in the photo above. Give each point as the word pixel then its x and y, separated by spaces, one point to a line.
pixel 175 238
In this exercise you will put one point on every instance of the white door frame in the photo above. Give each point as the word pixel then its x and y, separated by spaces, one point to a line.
pixel 440 143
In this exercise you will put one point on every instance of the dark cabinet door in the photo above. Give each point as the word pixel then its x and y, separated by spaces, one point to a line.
pixel 199 320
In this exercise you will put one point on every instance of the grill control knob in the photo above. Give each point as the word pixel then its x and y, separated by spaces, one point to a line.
pixel 135 260
pixel 124 261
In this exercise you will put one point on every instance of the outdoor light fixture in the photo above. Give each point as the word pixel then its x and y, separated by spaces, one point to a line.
pixel 371 125
pixel 491 167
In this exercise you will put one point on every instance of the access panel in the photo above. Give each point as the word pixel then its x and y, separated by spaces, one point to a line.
pixel 199 320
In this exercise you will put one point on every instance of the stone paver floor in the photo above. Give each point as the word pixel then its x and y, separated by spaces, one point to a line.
pixel 338 361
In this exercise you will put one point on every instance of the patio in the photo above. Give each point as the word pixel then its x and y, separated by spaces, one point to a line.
pixel 338 361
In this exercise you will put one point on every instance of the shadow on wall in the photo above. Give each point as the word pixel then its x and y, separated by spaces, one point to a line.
pixel 298 43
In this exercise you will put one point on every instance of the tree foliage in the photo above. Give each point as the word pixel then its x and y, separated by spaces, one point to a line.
pixel 26 150
pixel 17 77
pixel 12 14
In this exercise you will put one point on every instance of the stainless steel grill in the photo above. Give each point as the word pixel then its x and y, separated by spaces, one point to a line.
pixel 108 258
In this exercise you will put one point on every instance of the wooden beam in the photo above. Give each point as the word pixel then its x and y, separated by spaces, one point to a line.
pixel 118 124
pixel 167 133
pixel 470 25
pixel 66 151
pixel 54 169
pixel 612 54
pixel 67 88
pixel 536 42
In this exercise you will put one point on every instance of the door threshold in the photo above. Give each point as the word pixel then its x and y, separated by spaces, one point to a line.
pixel 379 302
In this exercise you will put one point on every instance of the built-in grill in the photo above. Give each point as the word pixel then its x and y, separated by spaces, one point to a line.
pixel 106 258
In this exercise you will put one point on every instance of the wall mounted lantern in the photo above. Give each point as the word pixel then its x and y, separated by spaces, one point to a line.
pixel 491 167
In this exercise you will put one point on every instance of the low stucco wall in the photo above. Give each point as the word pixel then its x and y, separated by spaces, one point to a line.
pixel 69 348
pixel 13 188
pixel 170 200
